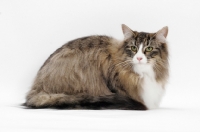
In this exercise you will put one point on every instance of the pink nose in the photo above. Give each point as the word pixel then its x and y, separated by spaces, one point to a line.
pixel 139 58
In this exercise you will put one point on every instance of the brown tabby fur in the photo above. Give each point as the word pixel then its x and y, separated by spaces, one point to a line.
pixel 90 73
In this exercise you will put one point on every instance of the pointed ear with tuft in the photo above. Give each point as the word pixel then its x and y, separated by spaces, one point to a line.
pixel 128 33
pixel 162 34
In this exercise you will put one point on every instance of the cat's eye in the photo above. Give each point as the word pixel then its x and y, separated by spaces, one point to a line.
pixel 134 48
pixel 149 49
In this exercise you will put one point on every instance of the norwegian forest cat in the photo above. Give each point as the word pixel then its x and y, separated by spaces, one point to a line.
pixel 100 72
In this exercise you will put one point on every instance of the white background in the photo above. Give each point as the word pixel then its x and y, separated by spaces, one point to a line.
pixel 31 30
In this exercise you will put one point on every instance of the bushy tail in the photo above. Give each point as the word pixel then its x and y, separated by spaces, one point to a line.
pixel 63 101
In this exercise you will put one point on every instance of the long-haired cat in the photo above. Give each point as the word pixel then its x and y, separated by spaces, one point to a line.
pixel 100 72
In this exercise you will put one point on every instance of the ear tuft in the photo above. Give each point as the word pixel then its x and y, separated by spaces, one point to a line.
pixel 128 33
pixel 162 34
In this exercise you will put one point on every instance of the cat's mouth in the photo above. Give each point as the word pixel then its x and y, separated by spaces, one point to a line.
pixel 140 63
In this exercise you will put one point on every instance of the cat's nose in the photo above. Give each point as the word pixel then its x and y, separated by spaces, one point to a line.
pixel 139 58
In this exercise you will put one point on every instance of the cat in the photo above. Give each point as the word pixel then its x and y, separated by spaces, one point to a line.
pixel 101 72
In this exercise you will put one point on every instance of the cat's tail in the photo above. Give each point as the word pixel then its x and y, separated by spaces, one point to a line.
pixel 81 101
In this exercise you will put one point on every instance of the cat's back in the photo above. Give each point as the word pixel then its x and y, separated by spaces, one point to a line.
pixel 88 46
pixel 89 42
pixel 80 60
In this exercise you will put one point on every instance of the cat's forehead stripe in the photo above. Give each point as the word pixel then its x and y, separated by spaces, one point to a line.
pixel 142 37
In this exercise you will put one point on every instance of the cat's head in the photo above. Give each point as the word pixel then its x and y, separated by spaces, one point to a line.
pixel 146 48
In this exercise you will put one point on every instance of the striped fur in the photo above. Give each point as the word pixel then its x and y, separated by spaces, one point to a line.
pixel 95 72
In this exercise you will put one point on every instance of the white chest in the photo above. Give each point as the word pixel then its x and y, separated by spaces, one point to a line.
pixel 152 91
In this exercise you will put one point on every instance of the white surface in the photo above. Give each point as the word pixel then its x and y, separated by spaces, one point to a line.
pixel 162 120
pixel 31 30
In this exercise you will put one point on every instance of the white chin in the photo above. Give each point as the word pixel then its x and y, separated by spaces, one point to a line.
pixel 140 63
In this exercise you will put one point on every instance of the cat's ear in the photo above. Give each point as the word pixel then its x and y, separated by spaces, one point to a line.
pixel 162 34
pixel 128 33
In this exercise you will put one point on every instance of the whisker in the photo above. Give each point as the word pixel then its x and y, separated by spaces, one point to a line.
pixel 161 63
pixel 128 65
pixel 120 64
pixel 123 64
